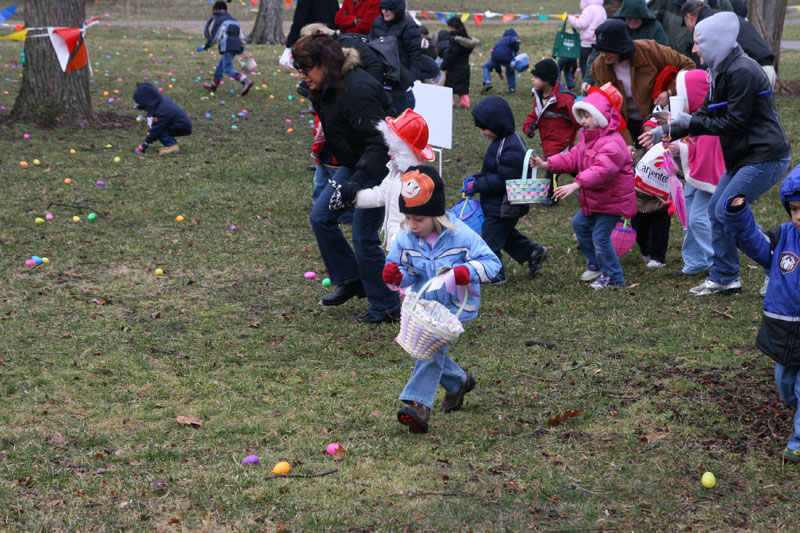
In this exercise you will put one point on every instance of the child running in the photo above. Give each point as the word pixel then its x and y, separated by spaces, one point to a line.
pixel 166 119
pixel 407 139
pixel 223 28
pixel 435 241
pixel 779 251
pixel 604 181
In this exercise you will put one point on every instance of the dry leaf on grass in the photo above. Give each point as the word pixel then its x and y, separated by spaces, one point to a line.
pixel 54 503
pixel 189 421
pixel 656 436
pixel 57 439
pixel 569 413
pixel 339 453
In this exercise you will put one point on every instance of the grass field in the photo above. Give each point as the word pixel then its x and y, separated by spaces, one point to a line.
pixel 100 356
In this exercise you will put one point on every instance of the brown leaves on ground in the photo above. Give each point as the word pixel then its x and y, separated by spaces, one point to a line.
pixel 657 435
pixel 159 486
pixel 189 420
pixel 340 453
pixel 569 413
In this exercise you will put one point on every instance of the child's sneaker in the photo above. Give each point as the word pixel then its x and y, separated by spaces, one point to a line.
pixel 792 456
pixel 247 85
pixel 171 149
pixel 453 402
pixel 210 87
pixel 712 287
pixel 655 264
pixel 591 273
pixel 538 257
pixel 486 87
pixel 415 416
pixel 645 259
pixel 600 283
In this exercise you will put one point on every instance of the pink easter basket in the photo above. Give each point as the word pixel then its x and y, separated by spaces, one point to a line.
pixel 427 326
pixel 623 237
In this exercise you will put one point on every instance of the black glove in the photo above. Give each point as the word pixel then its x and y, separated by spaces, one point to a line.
pixel 349 190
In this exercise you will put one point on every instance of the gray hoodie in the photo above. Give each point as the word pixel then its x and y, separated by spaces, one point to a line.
pixel 716 36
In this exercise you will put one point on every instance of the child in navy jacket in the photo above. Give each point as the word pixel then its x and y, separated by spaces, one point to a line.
pixel 779 251
pixel 503 161
pixel 223 28
pixel 166 119
pixel 503 54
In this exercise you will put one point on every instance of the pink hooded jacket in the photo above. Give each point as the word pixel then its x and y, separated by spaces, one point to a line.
pixel 601 160
pixel 592 15
pixel 705 161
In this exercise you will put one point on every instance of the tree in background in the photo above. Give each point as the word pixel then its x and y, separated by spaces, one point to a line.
pixel 268 28
pixel 48 96
pixel 767 18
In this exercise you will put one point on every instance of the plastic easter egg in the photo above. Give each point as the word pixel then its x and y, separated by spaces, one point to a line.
pixel 708 480
pixel 36 259
pixel 36 162
pixel 73 151
pixel 234 127
pixel 67 181
pixel 23 163
pixel 45 260
pixel 39 220
pixel 309 275
pixel 91 216
pixel 30 263
pixel 26 136
pixel 251 460
pixel 100 183
pixel 233 228
pixel 326 282
pixel 333 447
pixel 76 218
pixel 281 468
pixel 179 218
pixel 159 272
pixel 49 216
pixel 117 159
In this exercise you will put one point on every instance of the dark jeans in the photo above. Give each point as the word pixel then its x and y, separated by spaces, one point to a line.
pixel 501 234
pixel 168 135
pixel 343 265
pixel 406 101
pixel 652 233
pixel 585 52
pixel 567 65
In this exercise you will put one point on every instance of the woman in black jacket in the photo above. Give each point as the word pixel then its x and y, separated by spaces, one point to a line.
pixel 349 103
pixel 394 22
pixel 456 60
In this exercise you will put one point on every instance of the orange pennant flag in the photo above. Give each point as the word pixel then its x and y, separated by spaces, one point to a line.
pixel 70 47
pixel 507 18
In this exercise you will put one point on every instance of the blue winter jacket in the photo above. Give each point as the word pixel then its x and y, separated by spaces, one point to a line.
pixel 227 31
pixel 166 114
pixel 506 48
pixel 419 263
pixel 779 251
pixel 503 160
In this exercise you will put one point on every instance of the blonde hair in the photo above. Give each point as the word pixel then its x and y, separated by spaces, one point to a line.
pixel 439 224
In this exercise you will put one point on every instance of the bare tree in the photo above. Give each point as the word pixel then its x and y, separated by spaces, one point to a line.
pixel 48 96
pixel 268 28
pixel 767 18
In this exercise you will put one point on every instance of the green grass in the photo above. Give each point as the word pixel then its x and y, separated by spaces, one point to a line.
pixel 98 348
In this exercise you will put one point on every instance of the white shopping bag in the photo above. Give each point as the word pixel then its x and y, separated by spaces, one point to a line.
pixel 286 59
pixel 651 178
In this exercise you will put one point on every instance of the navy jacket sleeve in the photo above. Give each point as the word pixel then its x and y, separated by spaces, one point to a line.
pixel 749 239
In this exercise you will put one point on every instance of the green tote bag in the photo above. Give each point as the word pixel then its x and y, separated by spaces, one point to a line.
pixel 567 44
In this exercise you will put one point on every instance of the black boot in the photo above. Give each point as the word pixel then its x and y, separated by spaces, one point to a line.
pixel 344 293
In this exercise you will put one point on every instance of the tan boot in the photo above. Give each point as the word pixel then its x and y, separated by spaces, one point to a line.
pixel 415 416
pixel 173 149
pixel 453 402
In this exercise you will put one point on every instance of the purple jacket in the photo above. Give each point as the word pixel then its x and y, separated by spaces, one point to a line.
pixel 603 165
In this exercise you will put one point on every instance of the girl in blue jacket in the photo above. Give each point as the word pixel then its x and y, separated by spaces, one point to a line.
pixel 433 242
pixel 779 251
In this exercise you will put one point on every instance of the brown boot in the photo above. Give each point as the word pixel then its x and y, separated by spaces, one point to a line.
pixel 453 402
pixel 415 416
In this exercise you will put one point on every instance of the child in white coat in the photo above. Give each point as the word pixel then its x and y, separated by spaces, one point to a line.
pixel 407 139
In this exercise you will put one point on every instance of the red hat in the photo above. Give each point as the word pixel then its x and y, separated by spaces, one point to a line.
pixel 615 97
pixel 664 79
pixel 413 130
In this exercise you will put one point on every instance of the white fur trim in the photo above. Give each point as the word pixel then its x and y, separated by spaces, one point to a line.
pixel 680 85
pixel 592 110
pixel 403 155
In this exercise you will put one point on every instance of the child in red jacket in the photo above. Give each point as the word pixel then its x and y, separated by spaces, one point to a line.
pixel 551 115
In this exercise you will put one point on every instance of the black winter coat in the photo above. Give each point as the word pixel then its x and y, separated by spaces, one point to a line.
pixel 503 160
pixel 746 122
pixel 456 61
pixel 309 11
pixel 349 115
pixel 402 27
pixel 167 115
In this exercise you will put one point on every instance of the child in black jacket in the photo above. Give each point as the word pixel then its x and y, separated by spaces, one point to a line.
pixel 166 119
pixel 223 28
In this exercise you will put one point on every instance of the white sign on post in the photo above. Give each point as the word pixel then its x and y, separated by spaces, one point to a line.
pixel 435 104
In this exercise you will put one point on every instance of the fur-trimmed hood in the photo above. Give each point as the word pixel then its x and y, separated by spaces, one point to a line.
pixel 351 59
pixel 467 42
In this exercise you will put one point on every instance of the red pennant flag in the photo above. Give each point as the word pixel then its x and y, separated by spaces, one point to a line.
pixel 478 19
pixel 425 14
pixel 507 18
pixel 70 47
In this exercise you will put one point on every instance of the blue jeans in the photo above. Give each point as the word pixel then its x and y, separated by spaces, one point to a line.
pixel 568 66
pixel 594 239
pixel 697 249
pixel 511 74
pixel 428 375
pixel 787 378
pixel 752 181
pixel 407 101
pixel 225 66
pixel 321 176
pixel 343 265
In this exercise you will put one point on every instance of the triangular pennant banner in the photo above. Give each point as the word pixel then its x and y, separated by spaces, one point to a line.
pixel 16 36
pixel 93 19
pixel 508 18
pixel 562 17
pixel 70 47
pixel 464 17
pixel 425 14
pixel 523 17
pixel 542 17
pixel 7 13
pixel 490 14
pixel 441 17
pixel 478 19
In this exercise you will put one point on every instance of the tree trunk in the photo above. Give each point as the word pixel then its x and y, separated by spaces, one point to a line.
pixel 48 96
pixel 268 28
pixel 767 18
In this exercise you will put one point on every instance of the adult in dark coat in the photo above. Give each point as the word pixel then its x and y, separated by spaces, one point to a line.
pixel 394 21
pixel 456 60
pixel 308 11
pixel 349 103
pixel 740 110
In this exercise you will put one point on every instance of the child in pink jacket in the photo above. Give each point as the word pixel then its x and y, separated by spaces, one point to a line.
pixel 592 15
pixel 603 171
